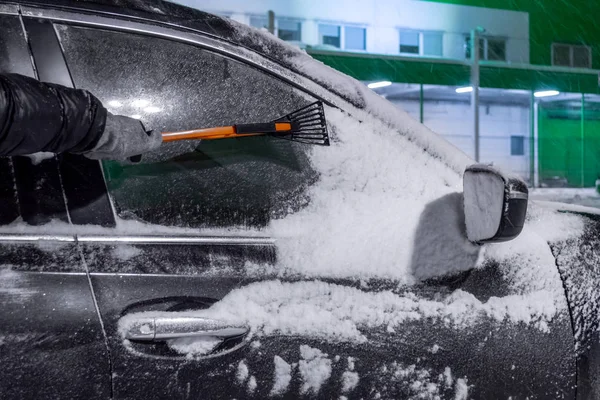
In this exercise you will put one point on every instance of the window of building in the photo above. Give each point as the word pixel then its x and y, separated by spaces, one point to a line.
pixel 355 38
pixel 289 30
pixel 421 43
pixel 517 145
pixel 330 35
pixel 490 48
pixel 259 22
pixel 409 42
pixel 566 55
pixel 432 44
pixel 496 49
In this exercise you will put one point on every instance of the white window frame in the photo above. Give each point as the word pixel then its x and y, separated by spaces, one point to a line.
pixel 571 57
pixel 421 42
pixel 343 34
pixel 485 46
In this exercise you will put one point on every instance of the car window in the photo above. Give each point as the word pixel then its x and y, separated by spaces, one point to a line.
pixel 14 58
pixel 174 86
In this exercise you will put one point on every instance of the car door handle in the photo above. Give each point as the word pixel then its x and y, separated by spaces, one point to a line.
pixel 155 329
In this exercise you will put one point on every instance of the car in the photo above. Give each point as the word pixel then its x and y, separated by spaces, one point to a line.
pixel 261 267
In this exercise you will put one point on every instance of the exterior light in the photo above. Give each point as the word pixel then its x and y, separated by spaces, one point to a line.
pixel 115 103
pixel 152 109
pixel 381 84
pixel 140 103
pixel 466 89
pixel 136 116
pixel 547 93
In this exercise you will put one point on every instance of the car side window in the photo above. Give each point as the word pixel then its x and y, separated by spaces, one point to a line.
pixel 174 86
pixel 14 58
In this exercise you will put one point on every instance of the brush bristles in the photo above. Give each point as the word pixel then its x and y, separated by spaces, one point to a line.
pixel 309 125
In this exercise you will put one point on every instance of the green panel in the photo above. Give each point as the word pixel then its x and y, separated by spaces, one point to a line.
pixel 536 79
pixel 560 150
pixel 572 21
pixel 373 68
pixel 398 69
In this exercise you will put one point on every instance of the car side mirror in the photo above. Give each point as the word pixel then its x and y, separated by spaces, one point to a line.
pixel 495 205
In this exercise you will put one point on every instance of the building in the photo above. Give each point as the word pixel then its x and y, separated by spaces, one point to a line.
pixel 539 105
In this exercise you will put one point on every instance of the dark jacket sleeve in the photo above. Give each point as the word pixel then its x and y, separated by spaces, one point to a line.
pixel 36 116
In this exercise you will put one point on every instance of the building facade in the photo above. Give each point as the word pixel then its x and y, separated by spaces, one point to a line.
pixel 527 49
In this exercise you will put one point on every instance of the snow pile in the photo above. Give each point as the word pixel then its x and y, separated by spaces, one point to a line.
pixel 484 198
pixel 366 211
pixel 334 312
pixel 315 369
pixel 283 376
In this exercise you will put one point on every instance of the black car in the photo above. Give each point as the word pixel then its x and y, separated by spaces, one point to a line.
pixel 261 267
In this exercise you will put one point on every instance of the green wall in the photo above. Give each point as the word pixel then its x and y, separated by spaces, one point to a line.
pixel 565 21
pixel 401 69
pixel 567 151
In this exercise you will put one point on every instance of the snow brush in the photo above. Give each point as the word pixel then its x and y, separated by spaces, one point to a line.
pixel 306 125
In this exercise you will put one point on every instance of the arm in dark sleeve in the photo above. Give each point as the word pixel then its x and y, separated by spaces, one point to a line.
pixel 36 116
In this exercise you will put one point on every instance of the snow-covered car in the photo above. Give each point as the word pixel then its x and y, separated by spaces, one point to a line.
pixel 260 267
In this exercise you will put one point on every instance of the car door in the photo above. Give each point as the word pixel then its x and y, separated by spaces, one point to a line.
pixel 192 246
pixel 51 339
pixel 202 207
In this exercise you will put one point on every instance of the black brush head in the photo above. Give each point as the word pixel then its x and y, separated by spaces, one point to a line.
pixel 308 125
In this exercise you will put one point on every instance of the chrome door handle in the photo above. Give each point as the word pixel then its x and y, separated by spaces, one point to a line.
pixel 166 327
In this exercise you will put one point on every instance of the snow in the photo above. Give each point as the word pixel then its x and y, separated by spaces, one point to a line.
pixel 283 376
pixel 124 252
pixel 367 210
pixel 195 346
pixel 462 390
pixel 315 369
pixel 349 381
pixel 448 380
pixel 340 313
pixel 37 158
pixel 252 384
pixel 483 202
pixel 368 103
pixel 242 372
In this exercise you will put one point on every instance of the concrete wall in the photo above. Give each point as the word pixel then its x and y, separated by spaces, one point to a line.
pixel 384 18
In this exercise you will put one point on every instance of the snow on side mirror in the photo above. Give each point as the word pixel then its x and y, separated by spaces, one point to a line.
pixel 495 205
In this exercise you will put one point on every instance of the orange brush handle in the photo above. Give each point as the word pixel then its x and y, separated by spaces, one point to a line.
pixel 224 132
pixel 206 134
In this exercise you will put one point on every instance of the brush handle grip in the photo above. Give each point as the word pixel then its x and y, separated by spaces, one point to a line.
pixel 268 127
